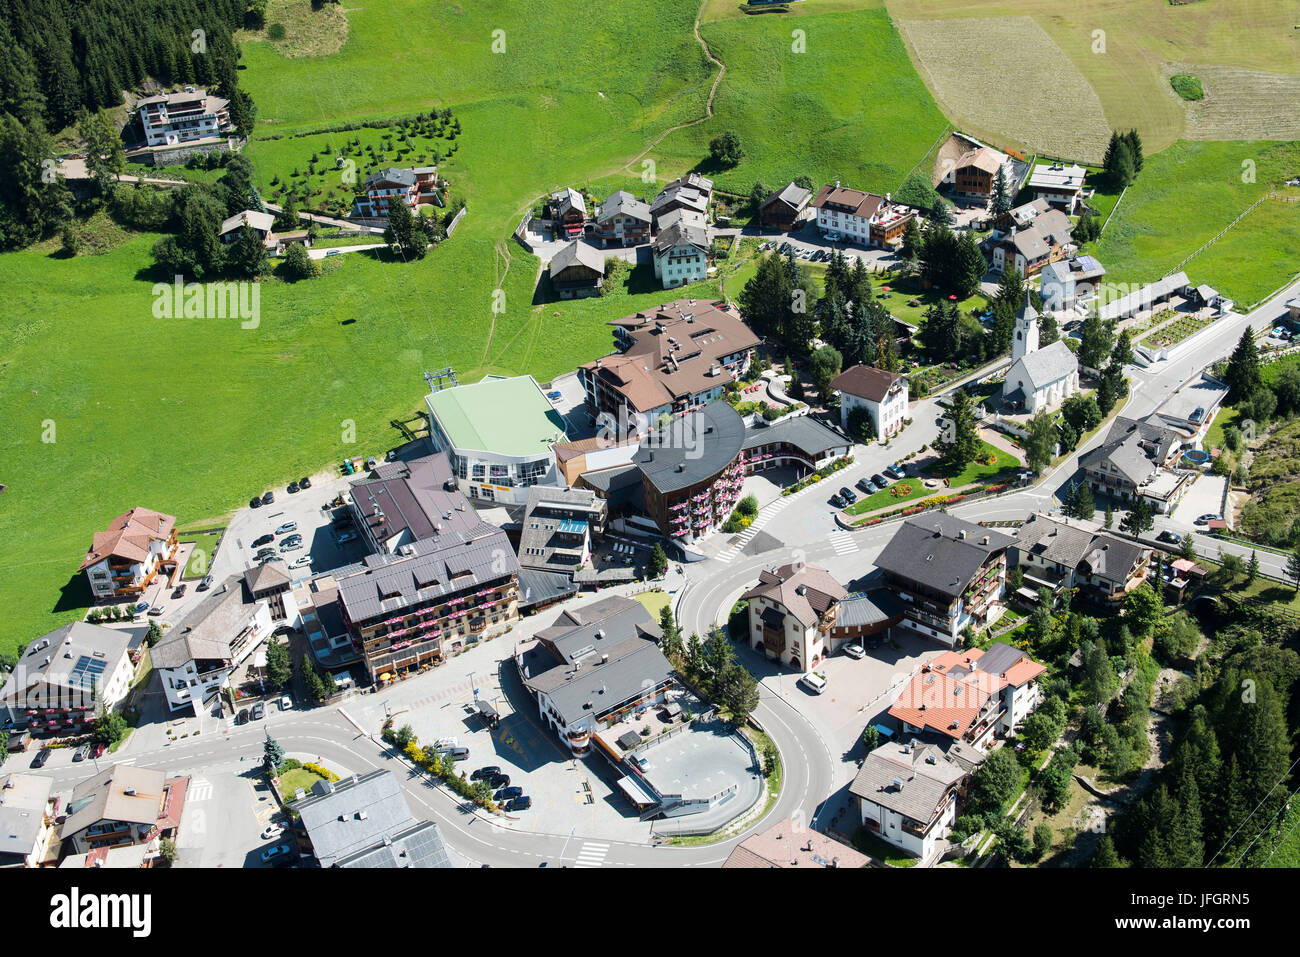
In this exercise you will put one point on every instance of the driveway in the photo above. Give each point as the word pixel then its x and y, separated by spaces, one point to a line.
pixel 1205 497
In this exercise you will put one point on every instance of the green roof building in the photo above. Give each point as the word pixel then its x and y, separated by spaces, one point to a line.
pixel 497 434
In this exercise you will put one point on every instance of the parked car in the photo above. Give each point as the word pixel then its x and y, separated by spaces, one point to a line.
pixel 263 552
pixel 271 832
pixel 98 750
pixel 304 482
pixel 302 561
pixel 286 527
pixel 486 774
pixel 1169 538
pixel 293 488
pixel 155 611
pixel 838 501
pixel 457 754
pixel 242 717
pixel 268 498
pixel 521 803
pixel 81 753
pixel 255 502
pixel 1197 414
pixel 345 537
pixel 500 781
pixel 555 396
pixel 258 712
pixel 333 252
pixel 141 607
pixel 286 703
pixel 293 537
pixel 897 471
pixel 847 494
pixel 290 546
pixel 813 682
pixel 879 480
pixel 267 559
pixel 179 591
pixel 273 853
pixel 206 583
pixel 42 756
pixel 263 540
pixel 1207 518
pixel 505 794
pixel 865 485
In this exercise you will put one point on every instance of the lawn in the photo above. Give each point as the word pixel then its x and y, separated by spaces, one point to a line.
pixel 655 601
pixel 1224 417
pixel 975 472
pixel 205 546
pixel 1187 194
pixel 903 292
pixel 290 781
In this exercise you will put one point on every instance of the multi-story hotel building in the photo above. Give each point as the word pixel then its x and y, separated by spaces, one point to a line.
pixel 175 118
pixel 125 559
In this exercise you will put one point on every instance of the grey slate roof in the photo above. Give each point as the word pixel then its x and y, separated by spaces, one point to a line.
pixel 577 254
pixel 206 632
pixel 796 197
pixel 931 552
pixel 924 772
pixel 451 562
pixel 679 234
pixel 566 199
pixel 613 479
pixel 266 576
pixel 1054 541
pixel 75 652
pixel 353 815
pixel 420 845
pixel 23 798
pixel 542 541
pixel 1049 364
pixel 538 587
pixel 872 608
pixel 1136 448
pixel 623 203
pixel 412 499
pixel 619 627
pixel 693 448
pixel 399 177
pixel 803 432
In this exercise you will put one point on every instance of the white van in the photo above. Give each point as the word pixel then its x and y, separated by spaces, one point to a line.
pixel 813 682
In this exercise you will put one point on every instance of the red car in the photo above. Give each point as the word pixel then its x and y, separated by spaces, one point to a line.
pixel 98 749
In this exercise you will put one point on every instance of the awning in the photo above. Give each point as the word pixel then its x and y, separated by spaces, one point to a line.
pixel 885 732
pixel 636 791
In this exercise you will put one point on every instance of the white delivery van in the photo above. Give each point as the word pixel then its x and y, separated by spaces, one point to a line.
pixel 813 682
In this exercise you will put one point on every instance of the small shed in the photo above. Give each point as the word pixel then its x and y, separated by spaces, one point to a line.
pixel 629 740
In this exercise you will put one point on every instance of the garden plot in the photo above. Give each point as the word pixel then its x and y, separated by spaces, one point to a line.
pixel 966 58
pixel 1242 104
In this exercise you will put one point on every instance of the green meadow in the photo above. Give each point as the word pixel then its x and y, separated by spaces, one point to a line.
pixel 108 406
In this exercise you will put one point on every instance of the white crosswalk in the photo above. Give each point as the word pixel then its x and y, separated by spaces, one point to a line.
pixel 843 542
pixel 764 516
pixel 591 855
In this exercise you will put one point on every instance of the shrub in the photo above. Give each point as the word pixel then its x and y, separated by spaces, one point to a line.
pixel 1187 86
pixel 323 772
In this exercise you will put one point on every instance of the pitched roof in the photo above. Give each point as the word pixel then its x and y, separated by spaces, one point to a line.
pixel 23 800
pixel 781 846
pixel 353 815
pixel 1136 448
pixel 796 197
pixel 623 203
pixel 260 222
pixel 390 174
pixel 805 591
pixel 128 536
pixel 948 695
pixel 266 576
pixel 805 433
pixel 940 551
pixel 867 382
pixel 853 201
pixel 118 793
pixel 672 351
pixel 910 780
pixel 1057 176
pixel 206 632
pixel 419 845
pixel 692 448
pixel 871 608
pixel 564 200
pixel 577 254
pixel 681 234
pixel 410 501
pixel 1044 366
pixel 985 158
pixel 65 665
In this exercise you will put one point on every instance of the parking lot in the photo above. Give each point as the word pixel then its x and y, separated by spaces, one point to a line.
pixel 1204 498
pixel 581 796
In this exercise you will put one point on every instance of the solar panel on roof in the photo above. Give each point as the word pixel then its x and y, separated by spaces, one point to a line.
pixel 87 672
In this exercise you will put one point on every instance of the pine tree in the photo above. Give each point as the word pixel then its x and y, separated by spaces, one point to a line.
pixel 959 442
pixel 1000 201
pixel 1110 517
pixel 1252 568
pixel 1242 374
pixel 272 754
pixel 1134 141
pixel 1293 567
pixel 1105 855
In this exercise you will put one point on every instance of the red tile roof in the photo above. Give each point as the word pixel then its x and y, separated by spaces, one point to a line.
pixel 128 536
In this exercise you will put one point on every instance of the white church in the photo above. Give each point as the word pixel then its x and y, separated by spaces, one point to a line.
pixel 1038 378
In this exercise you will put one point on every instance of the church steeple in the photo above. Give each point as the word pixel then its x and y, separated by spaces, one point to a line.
pixel 1026 338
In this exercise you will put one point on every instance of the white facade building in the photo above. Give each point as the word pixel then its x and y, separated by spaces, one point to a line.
pixel 176 118
pixel 883 394
pixel 1038 378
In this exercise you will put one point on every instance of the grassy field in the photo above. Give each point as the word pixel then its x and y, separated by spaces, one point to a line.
pixel 1123 49
pixel 1240 104
pixel 1184 196
pixel 964 59
pixel 831 111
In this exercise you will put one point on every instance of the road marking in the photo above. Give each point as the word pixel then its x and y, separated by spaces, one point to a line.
pixel 591 855
pixel 843 543
pixel 200 789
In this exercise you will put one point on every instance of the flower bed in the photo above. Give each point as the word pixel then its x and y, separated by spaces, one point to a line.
pixel 843 462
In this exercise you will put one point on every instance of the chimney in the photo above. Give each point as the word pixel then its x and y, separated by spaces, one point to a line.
pixel 962 533
pixel 984 540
